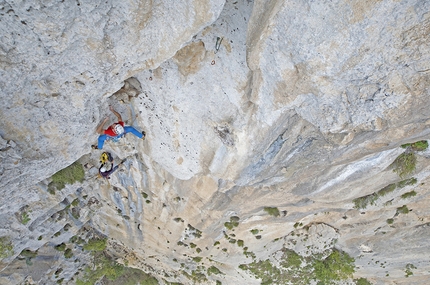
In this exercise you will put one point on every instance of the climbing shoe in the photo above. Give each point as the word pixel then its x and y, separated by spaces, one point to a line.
pixel 143 135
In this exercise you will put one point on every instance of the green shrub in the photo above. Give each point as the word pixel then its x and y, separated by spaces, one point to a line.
pixel 254 231
pixel 390 221
pixel 96 244
pixel 273 211
pixel 234 219
pixel 408 269
pixel 75 213
pixel 263 270
pixel 193 245
pixel 362 281
pixel 406 182
pixel 6 248
pixel 25 218
pixel 69 175
pixel 409 194
pixel 213 270
pixel 402 210
pixel 103 266
pixel 298 270
pixel 337 266
pixel 405 164
pixel 386 190
pixel 132 276
pixel 28 253
pixel 240 242
pixel 291 259
pixel 60 247
pixel 417 146
pixel 216 243
pixel 362 202
pixel 197 259
pixel 234 222
pixel 68 253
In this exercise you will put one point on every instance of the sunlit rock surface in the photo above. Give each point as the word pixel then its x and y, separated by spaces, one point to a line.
pixel 296 105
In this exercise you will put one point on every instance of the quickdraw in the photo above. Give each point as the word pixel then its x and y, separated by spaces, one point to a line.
pixel 218 44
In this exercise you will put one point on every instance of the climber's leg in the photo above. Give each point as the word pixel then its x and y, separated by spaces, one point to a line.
pixel 101 141
pixel 130 129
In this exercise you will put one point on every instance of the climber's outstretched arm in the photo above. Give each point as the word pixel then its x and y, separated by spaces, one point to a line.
pixel 116 114
pixel 100 129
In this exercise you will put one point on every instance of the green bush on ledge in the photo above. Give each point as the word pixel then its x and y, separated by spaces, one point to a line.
pixel 69 175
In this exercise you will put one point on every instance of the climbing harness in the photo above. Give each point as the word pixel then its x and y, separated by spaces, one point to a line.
pixel 117 138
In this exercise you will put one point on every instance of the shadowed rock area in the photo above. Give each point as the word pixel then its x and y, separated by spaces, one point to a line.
pixel 286 142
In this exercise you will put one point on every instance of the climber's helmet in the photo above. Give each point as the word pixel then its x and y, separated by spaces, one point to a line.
pixel 118 129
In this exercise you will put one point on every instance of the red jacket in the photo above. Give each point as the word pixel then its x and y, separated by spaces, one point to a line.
pixel 109 131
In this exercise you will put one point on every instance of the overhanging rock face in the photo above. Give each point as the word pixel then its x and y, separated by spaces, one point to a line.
pixel 61 60
pixel 271 125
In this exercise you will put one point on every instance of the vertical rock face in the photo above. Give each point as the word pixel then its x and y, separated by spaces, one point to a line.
pixel 272 127
pixel 60 60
